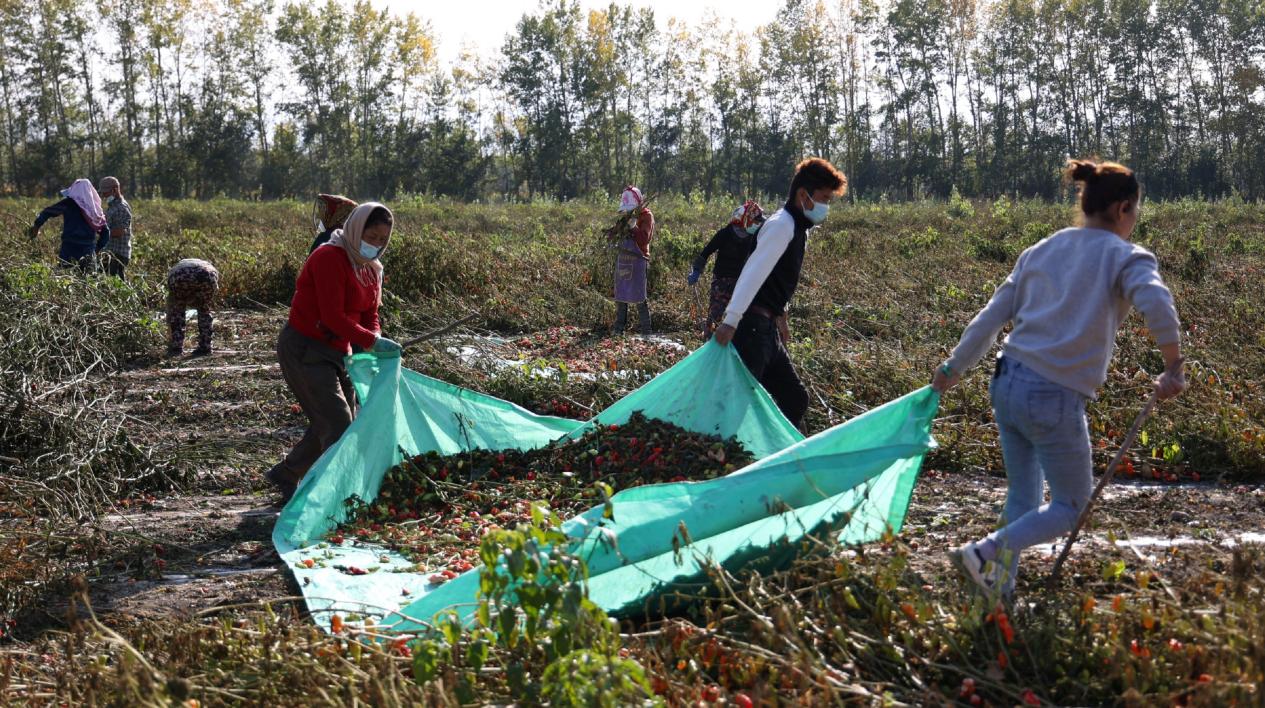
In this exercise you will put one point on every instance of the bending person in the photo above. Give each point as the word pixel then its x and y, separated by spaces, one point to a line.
pixel 1067 296
pixel 191 284
pixel 335 305
pixel 83 228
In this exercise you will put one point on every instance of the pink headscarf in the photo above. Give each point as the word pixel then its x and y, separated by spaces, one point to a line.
pixel 89 202
pixel 630 199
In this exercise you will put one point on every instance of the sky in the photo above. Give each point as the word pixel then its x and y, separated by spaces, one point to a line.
pixel 484 23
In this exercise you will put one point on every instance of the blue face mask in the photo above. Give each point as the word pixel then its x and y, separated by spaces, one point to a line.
pixel 753 229
pixel 818 213
pixel 370 252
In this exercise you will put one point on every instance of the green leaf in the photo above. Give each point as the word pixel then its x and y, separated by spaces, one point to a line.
pixel 1113 570
pixel 516 674
pixel 477 654
pixel 426 661
pixel 508 622
pixel 451 627
pixel 516 562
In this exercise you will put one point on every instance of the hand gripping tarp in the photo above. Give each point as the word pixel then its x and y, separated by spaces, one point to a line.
pixel 854 480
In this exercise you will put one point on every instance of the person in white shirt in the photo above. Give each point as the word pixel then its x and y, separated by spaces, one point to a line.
pixel 1066 297
pixel 755 319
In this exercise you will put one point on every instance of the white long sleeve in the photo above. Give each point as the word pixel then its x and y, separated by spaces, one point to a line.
pixel 771 243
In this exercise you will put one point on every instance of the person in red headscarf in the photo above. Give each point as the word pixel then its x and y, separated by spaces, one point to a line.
pixel 632 266
pixel 732 244
pixel 328 215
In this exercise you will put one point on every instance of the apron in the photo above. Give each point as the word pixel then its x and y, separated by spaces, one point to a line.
pixel 630 273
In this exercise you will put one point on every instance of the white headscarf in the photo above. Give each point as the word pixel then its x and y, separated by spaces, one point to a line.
pixel 89 202
pixel 368 270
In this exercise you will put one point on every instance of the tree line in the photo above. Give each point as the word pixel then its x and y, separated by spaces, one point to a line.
pixel 911 98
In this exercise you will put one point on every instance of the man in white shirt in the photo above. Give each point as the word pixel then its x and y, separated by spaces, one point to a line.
pixel 755 320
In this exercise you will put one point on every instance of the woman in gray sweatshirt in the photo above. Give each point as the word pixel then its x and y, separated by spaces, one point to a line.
pixel 1066 297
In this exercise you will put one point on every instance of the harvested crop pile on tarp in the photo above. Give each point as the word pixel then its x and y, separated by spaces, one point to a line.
pixel 433 509
pixel 853 481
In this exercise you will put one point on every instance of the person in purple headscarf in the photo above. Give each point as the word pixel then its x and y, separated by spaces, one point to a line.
pixel 83 231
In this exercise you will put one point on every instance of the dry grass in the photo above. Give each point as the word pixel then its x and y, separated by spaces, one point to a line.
pixel 887 289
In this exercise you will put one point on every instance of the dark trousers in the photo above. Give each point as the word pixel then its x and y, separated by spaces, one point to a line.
pixel 84 264
pixel 316 375
pixel 113 263
pixel 621 317
pixel 761 349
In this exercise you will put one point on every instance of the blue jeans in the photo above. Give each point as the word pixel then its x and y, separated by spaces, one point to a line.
pixel 1044 437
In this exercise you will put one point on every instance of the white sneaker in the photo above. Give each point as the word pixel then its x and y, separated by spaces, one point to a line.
pixel 968 560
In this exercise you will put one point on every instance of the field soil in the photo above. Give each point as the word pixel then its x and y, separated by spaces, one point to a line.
pixel 215 543
pixel 136 563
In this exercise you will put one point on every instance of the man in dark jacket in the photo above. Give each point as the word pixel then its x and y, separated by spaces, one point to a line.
pixel 84 231
pixel 755 320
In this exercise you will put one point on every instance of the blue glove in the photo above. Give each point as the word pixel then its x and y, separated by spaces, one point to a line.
pixel 693 277
pixel 382 345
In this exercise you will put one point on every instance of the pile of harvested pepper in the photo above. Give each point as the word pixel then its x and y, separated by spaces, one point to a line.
pixel 433 509
pixel 585 352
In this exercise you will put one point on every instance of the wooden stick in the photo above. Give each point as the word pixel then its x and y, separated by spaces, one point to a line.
pixel 1106 479
pixel 696 311
pixel 441 331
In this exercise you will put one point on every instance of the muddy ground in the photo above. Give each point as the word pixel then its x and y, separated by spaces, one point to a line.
pixel 231 414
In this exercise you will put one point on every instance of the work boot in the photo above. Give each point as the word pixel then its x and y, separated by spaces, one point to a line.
pixel 281 480
pixel 202 351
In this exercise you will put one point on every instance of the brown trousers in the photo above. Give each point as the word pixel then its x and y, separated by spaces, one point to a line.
pixel 318 378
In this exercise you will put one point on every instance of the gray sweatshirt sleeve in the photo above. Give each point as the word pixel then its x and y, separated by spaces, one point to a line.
pixel 981 334
pixel 1141 285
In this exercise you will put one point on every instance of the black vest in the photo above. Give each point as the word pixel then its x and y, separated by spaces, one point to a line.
pixel 780 286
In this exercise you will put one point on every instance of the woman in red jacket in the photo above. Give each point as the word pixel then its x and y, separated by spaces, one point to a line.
pixel 335 305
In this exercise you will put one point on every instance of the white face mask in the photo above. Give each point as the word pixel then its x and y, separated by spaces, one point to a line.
pixel 818 212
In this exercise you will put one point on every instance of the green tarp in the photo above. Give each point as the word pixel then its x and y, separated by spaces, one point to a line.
pixel 854 479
